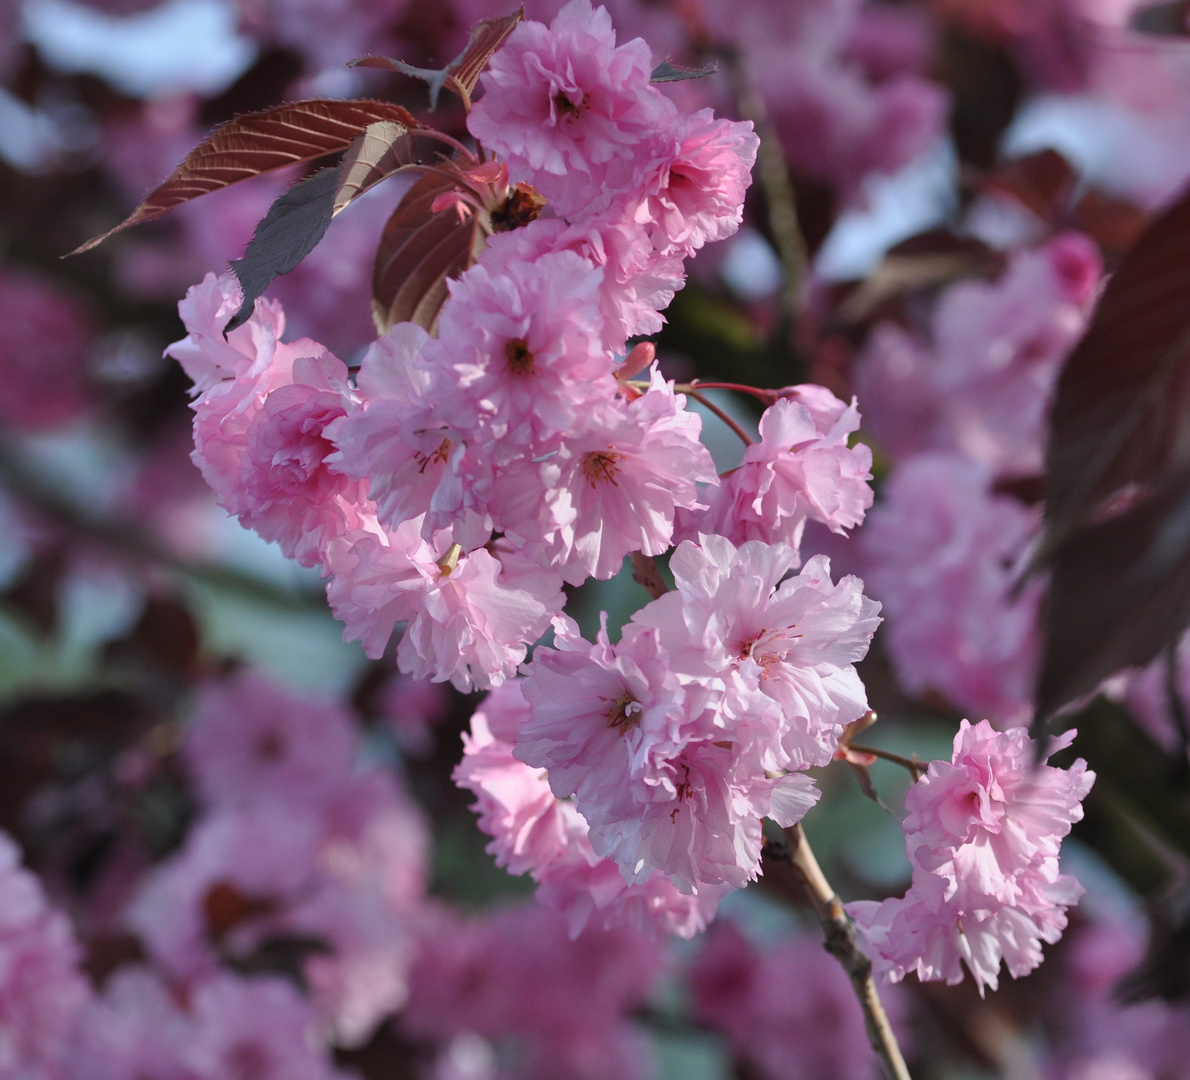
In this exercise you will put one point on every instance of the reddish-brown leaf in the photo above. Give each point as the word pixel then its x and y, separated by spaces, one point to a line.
pixel 418 252
pixel 1043 183
pixel 1119 594
pixel 462 73
pixel 297 221
pixel 486 37
pixel 257 143
pixel 1121 413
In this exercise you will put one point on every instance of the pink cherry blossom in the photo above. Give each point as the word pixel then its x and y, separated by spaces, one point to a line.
pixel 392 440
pixel 786 648
pixel 638 283
pixel 534 832
pixel 696 195
pixel 801 470
pixel 467 623
pixel 518 353
pixel 566 106
pixel 290 493
pixel 983 833
pixel 209 358
pixel 623 472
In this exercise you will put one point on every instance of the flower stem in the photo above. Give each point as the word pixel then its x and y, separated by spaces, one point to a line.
pixel 766 396
pixel 701 399
pixel 840 943
pixel 912 764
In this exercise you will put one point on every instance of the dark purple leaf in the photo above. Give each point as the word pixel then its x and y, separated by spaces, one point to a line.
pixel 1119 594
pixel 289 232
pixel 1121 413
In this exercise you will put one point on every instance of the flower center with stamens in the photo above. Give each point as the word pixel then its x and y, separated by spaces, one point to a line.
pixel 520 359
pixel 624 713
pixel 599 467
pixel 564 105
pixel 767 648
pixel 435 457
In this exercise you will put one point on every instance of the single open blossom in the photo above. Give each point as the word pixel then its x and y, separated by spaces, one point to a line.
pixel 260 426
pixel 568 108
pixel 518 354
pixel 617 481
pixel 983 833
pixel 291 493
pixel 535 832
pixel 696 194
pixel 467 620
pixel 205 354
pixel 785 647
pixel 392 440
pixel 801 470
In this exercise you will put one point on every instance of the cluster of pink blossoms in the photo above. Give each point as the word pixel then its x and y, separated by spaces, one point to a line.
pixel 982 833
pixel 463 477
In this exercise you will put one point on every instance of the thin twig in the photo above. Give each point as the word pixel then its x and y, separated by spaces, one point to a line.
pixel 839 931
pixel 916 767
pixel 707 403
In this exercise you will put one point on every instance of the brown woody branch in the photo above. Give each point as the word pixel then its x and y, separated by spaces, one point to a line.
pixel 840 943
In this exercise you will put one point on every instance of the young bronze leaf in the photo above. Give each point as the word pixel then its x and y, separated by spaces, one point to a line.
pixel 287 234
pixel 257 143
pixel 668 71
pixel 463 72
pixel 419 250
pixel 1120 593
pixel 1121 413
pixel 486 37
